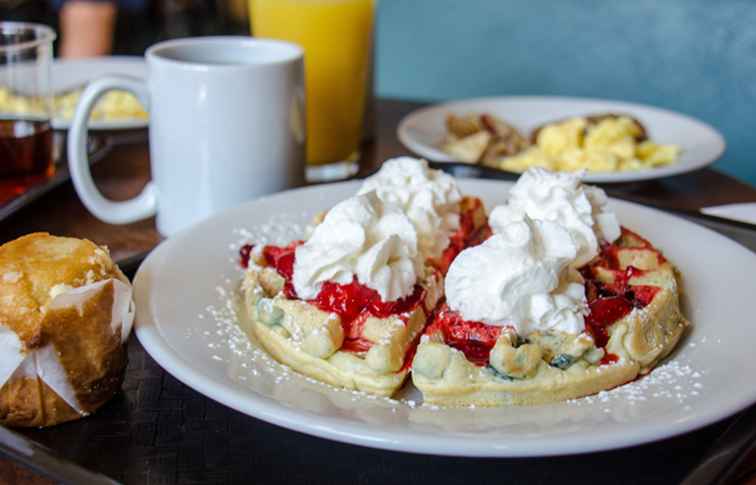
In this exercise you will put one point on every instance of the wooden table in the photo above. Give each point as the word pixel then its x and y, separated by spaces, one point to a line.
pixel 160 431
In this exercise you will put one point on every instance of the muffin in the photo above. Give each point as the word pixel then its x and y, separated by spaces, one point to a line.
pixel 65 314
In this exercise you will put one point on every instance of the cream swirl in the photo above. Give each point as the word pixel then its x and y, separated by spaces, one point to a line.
pixel 561 198
pixel 430 198
pixel 360 237
pixel 520 277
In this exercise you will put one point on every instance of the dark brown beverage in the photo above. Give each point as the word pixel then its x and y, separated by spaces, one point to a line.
pixel 26 155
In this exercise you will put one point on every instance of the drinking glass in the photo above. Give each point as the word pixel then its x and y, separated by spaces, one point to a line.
pixel 26 136
pixel 337 38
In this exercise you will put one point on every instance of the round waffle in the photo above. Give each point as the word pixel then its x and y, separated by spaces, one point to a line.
pixel 634 322
pixel 370 353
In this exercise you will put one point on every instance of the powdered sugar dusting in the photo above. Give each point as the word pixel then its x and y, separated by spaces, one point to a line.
pixel 674 382
pixel 280 229
pixel 231 332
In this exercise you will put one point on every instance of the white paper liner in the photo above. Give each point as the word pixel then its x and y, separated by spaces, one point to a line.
pixel 44 362
pixel 123 309
pixel 11 353
pixel 50 370
pixel 122 316
pixel 27 368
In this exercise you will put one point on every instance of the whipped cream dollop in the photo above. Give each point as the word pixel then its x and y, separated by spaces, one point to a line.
pixel 561 198
pixel 364 237
pixel 430 198
pixel 520 277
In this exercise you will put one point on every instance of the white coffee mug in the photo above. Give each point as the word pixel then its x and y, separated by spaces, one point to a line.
pixel 226 125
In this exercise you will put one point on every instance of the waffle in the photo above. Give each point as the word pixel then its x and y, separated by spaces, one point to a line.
pixel 634 322
pixel 369 350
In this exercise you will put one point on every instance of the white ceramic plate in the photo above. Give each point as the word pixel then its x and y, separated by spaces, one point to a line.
pixel 185 325
pixel 69 74
pixel 423 129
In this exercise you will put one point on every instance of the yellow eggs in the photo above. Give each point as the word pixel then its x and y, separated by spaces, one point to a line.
pixel 113 106
pixel 608 145
pixel 558 138
pixel 530 157
pixel 654 155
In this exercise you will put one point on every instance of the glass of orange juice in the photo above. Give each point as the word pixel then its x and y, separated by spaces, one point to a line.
pixel 337 38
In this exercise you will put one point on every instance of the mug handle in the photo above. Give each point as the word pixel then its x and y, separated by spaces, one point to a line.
pixel 140 207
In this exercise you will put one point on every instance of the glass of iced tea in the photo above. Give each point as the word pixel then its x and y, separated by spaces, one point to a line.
pixel 337 38
pixel 26 136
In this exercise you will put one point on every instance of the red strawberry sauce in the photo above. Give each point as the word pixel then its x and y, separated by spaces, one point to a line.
pixel 466 236
pixel 244 254
pixel 610 302
pixel 607 303
pixel 355 302
pixel 352 302
pixel 474 339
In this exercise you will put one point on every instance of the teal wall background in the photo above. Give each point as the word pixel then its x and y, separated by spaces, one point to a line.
pixel 693 56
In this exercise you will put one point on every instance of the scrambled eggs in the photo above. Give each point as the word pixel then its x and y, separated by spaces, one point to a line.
pixel 113 106
pixel 609 145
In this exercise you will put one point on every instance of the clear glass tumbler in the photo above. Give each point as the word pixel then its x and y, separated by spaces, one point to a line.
pixel 26 135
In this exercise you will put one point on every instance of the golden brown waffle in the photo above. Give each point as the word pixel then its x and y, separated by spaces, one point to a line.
pixel 370 353
pixel 629 279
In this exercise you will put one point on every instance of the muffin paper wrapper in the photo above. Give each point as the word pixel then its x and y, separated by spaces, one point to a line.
pixel 43 362
pixel 11 355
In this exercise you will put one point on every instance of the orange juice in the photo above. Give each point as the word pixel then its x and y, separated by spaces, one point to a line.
pixel 337 37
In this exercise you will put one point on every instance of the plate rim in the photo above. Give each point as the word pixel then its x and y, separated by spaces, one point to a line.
pixel 249 402
pixel 419 148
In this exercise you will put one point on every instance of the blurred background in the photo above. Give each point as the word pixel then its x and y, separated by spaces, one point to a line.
pixel 693 56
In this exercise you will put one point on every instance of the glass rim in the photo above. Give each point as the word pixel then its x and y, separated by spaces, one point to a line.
pixel 45 35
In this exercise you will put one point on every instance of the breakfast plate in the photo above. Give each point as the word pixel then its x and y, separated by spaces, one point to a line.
pixel 116 111
pixel 73 74
pixel 187 321
pixel 423 130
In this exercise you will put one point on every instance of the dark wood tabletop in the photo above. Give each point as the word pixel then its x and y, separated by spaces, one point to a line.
pixel 160 431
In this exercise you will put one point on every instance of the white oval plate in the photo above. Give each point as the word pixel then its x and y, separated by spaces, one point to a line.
pixel 423 129
pixel 183 323
pixel 69 74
